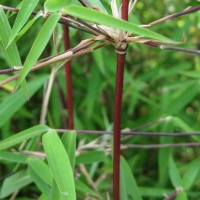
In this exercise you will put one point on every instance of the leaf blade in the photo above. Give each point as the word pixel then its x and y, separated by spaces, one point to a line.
pixel 69 141
pixel 38 46
pixel 41 169
pixel 23 15
pixel 23 135
pixel 14 182
pixel 14 102
pixel 55 5
pixel 94 16
pixel 60 165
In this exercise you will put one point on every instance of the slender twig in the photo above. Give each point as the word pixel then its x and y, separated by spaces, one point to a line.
pixel 95 30
pixel 121 55
pixel 47 96
pixel 164 19
pixel 180 49
pixel 157 146
pixel 68 76
pixel 148 134
pixel 164 47
pixel 77 51
pixel 172 195
pixel 89 180
pixel 142 146
pixel 85 3
pixel 14 195
pixel 6 71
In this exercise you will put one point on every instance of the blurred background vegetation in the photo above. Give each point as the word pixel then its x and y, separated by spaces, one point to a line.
pixel 161 87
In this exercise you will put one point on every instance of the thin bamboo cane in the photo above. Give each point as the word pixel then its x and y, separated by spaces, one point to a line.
pixel 68 75
pixel 117 110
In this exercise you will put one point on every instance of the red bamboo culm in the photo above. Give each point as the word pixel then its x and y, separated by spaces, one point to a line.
pixel 121 56
pixel 68 74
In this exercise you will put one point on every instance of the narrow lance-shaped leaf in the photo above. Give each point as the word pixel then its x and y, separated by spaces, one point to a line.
pixel 69 141
pixel 41 169
pixel 23 15
pixel 38 46
pixel 128 185
pixel 27 26
pixel 14 102
pixel 23 135
pixel 43 187
pixel 13 157
pixel 55 193
pixel 174 174
pixel 191 174
pixel 94 16
pixel 60 165
pixel 12 51
pixel 55 5
pixel 84 188
pixel 14 182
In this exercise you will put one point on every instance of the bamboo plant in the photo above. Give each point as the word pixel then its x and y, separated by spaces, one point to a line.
pixel 104 29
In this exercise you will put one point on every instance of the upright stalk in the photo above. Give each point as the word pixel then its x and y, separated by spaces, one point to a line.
pixel 68 74
pixel 121 55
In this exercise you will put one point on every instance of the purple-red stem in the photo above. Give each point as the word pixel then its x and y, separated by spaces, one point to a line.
pixel 117 122
pixel 117 110
pixel 68 75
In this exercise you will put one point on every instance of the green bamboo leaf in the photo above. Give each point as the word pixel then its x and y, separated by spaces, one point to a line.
pixel 13 157
pixel 91 157
pixel 41 184
pixel 191 174
pixel 41 169
pixel 23 15
pixel 188 92
pixel 178 122
pixel 69 142
pixel 55 5
pixel 93 85
pixel 12 51
pixel 174 174
pixel 83 188
pixel 164 153
pixel 94 16
pixel 154 192
pixel 192 74
pixel 23 135
pixel 15 182
pixel 181 195
pixel 60 165
pixel 128 185
pixel 28 26
pixel 12 103
pixel 38 46
pixel 55 193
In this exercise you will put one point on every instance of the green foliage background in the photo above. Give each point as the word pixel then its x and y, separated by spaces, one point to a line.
pixel 161 87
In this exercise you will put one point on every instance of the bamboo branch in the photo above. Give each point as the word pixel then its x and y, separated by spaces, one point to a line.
pixel 136 133
pixel 169 17
pixel 165 47
pixel 80 49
